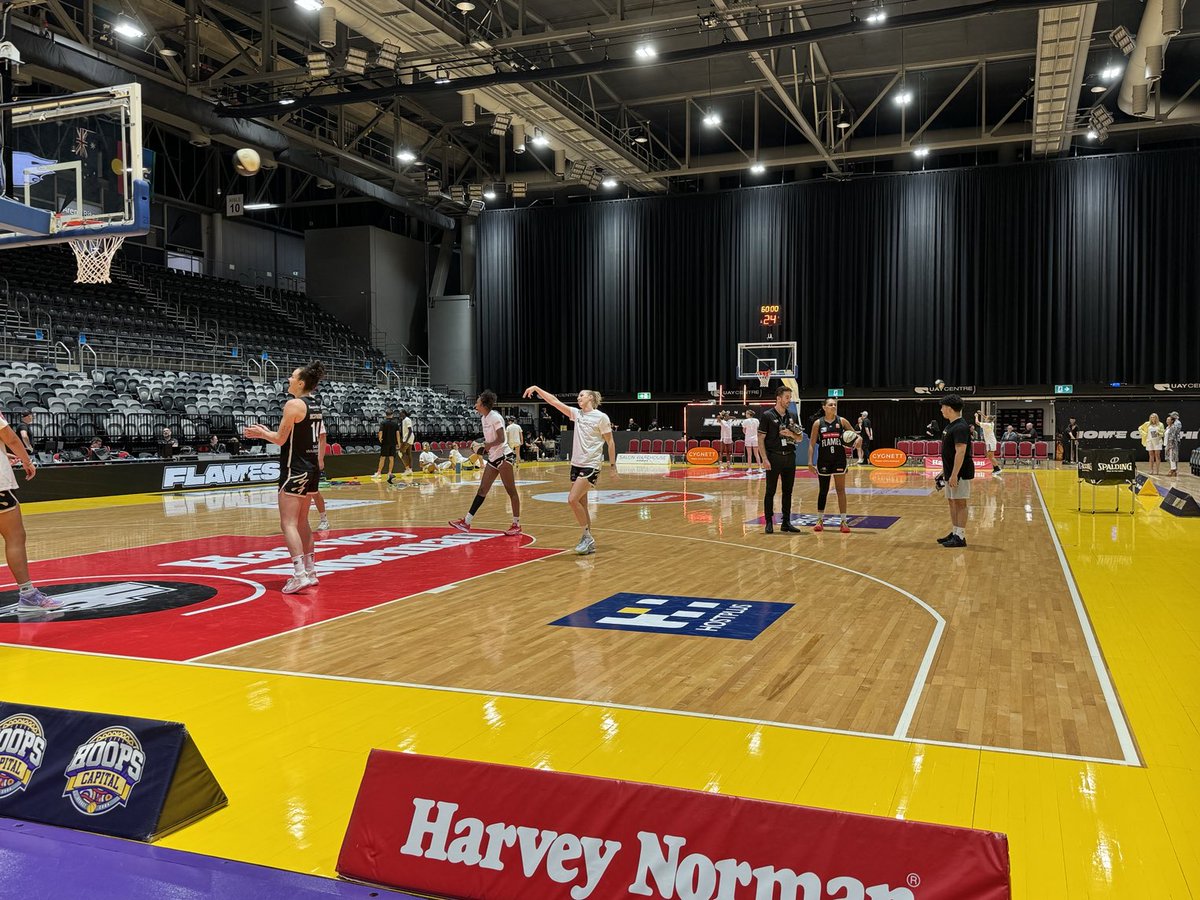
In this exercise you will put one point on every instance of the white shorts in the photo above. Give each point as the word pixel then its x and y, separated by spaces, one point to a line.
pixel 1153 446
pixel 751 442
pixel 962 492
pixel 991 446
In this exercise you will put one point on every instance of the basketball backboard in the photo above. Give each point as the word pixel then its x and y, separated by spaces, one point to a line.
pixel 776 357
pixel 77 168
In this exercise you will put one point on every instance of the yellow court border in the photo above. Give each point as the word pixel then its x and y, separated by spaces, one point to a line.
pixel 289 749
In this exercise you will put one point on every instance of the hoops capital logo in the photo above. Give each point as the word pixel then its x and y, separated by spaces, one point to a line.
pixel 22 749
pixel 742 620
pixel 104 771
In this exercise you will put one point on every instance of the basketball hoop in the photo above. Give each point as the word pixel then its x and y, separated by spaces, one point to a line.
pixel 764 378
pixel 94 256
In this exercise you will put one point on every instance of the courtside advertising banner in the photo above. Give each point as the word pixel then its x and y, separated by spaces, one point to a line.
pixel 475 831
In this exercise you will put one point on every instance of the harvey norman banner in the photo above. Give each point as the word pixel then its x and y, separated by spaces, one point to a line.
pixel 464 829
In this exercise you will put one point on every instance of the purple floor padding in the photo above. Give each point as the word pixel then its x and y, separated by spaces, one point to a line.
pixel 39 861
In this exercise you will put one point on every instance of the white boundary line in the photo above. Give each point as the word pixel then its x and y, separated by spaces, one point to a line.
pixel 599 704
pixel 1120 725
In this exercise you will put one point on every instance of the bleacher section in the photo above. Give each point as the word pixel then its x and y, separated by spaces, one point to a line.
pixel 152 316
pixel 128 408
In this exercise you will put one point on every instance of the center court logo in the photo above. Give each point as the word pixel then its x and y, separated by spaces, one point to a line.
pixel 742 620
pixel 104 771
pixel 22 749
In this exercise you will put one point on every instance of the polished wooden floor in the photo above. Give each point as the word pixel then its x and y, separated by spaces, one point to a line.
pixel 949 655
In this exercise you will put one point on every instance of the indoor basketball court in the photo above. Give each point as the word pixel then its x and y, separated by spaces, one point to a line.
pixel 313 589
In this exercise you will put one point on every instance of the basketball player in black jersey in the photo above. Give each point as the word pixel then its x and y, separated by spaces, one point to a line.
pixel 827 460
pixel 299 469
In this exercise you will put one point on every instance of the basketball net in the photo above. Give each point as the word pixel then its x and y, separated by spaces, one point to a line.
pixel 764 378
pixel 94 256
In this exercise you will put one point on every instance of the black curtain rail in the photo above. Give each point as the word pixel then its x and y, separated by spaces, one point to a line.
pixel 1071 271
pixel 598 67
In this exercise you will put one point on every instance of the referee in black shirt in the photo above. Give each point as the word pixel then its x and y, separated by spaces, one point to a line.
pixel 780 431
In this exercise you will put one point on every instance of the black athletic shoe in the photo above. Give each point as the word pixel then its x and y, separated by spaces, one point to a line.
pixel 769 528
pixel 955 541
pixel 790 528
pixel 391 479
pixel 943 540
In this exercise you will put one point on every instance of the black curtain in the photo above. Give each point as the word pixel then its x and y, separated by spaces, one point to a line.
pixel 1066 271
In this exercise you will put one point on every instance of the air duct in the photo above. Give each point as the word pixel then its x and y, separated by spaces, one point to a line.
pixel 1146 65
pixel 560 162
pixel 468 109
pixel 518 137
pixel 1172 17
pixel 327 27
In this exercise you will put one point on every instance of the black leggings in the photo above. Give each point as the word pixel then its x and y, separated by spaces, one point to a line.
pixel 783 468
pixel 823 490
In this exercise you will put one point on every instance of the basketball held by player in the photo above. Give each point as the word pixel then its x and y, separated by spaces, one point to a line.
pixel 827 460
pixel 298 437
pixel 498 461
pixel 593 432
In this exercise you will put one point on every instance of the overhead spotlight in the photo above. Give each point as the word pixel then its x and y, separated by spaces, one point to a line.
pixel 1100 117
pixel 489 193
pixel 903 97
pixel 464 6
pixel 501 124
pixel 318 64
pixel 757 168
pixel 475 191
pixel 641 137
pixel 577 170
pixel 1122 39
pixel 199 139
pixel 356 61
pixel 877 16
pixel 405 155
pixel 324 184
pixel 1111 73
pixel 441 76
pixel 710 21
pixel 1099 89
pixel 458 194
pixel 843 122
pixel 595 177
pixel 519 189
pixel 645 51
pixel 920 152
pixel 387 55
pixel 310 5
pixel 475 208
pixel 712 118
pixel 609 183
pixel 540 139
pixel 287 100
pixel 433 188
pixel 1091 134
pixel 128 29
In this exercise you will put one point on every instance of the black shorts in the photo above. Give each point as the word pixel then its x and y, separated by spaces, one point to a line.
pixel 833 466
pixel 592 474
pixel 496 464
pixel 8 500
pixel 387 451
pixel 300 480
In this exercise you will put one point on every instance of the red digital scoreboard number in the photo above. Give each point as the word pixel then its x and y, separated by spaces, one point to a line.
pixel 768 315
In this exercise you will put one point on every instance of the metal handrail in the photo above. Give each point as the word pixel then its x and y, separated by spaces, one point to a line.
pixel 95 358
pixel 65 349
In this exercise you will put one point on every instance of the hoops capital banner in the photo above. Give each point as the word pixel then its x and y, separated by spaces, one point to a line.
pixel 476 831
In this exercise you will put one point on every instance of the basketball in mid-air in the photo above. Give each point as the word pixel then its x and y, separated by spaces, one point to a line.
pixel 246 161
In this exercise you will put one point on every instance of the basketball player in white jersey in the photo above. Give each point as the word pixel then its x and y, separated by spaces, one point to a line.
pixel 298 438
pixel 498 460
pixel 725 423
pixel 754 453
pixel 593 431
pixel 12 527
pixel 988 427
pixel 515 438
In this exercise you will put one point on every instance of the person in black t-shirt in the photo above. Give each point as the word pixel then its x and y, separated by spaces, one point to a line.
pixel 958 469
pixel 389 440
pixel 780 431
pixel 25 430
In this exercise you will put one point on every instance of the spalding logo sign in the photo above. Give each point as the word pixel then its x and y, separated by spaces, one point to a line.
pixel 702 456
pixel 888 458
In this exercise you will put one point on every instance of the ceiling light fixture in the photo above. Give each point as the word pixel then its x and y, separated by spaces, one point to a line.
pixel 310 5
pixel 387 55
pixel 441 76
pixel 405 155
pixel 286 101
pixel 253 206
pixel 540 139
pixel 758 168
pixel 609 183
pixel 356 61
pixel 1111 73
pixel 712 118
pixel 501 124
pixel 920 152
pixel 464 6
pixel 128 29
pixel 1122 39
pixel 903 97
pixel 645 51
pixel 489 194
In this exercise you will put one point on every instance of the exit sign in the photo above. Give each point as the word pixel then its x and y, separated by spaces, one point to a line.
pixel 836 392
pixel 643 395
pixel 1064 389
